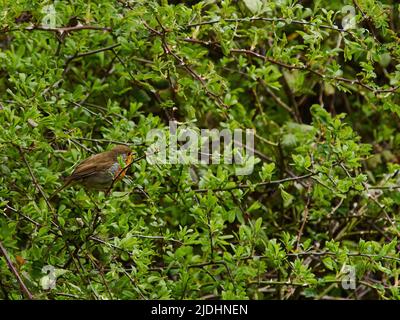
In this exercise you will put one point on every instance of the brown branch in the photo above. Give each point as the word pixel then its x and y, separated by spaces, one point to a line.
pixel 305 218
pixel 105 140
pixel 298 67
pixel 350 254
pixel 62 30
pixel 291 254
pixel 88 53
pixel 244 186
pixel 289 92
pixel 97 239
pixel 10 265
pixel 368 20
pixel 141 85
pixel 252 19
pixel 263 183
pixel 317 73
pixel 184 65
pixel 279 100
pixel 390 188
pixel 37 224
pixel 39 188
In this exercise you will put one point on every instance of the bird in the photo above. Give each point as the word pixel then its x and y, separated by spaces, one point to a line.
pixel 99 171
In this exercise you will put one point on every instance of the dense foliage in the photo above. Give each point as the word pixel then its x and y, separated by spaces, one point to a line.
pixel 318 81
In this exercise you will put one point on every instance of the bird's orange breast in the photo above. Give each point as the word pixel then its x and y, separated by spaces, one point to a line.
pixel 119 175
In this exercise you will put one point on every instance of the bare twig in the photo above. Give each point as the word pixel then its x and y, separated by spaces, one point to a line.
pixel 335 208
pixel 350 254
pixel 390 188
pixel 289 254
pixel 305 218
pixel 88 53
pixel 141 85
pixel 277 99
pixel 40 189
pixel 317 73
pixel 37 224
pixel 183 64
pixel 263 183
pixel 252 19
pixel 299 67
pixel 10 265
pixel 62 30
pixel 102 141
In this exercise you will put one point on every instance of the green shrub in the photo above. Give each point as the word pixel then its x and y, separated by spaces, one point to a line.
pixel 318 81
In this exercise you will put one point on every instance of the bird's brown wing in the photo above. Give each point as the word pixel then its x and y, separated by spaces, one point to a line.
pixel 91 165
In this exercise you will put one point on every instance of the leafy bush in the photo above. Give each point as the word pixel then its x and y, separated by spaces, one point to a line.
pixel 317 81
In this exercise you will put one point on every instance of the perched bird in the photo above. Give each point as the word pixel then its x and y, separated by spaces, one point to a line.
pixel 100 170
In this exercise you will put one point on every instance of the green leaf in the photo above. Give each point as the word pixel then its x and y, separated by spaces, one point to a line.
pixel 253 5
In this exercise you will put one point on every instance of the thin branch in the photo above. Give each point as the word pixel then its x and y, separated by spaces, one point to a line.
pixel 184 65
pixel 104 141
pixel 317 73
pixel 97 239
pixel 305 218
pixel 252 19
pixel 336 208
pixel 366 18
pixel 141 85
pixel 263 183
pixel 350 254
pixel 39 188
pixel 37 224
pixel 277 99
pixel 10 265
pixel 62 30
pixel 292 254
pixel 34 180
pixel 390 188
pixel 109 244
pixel 134 283
pixel 88 53
pixel 299 67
